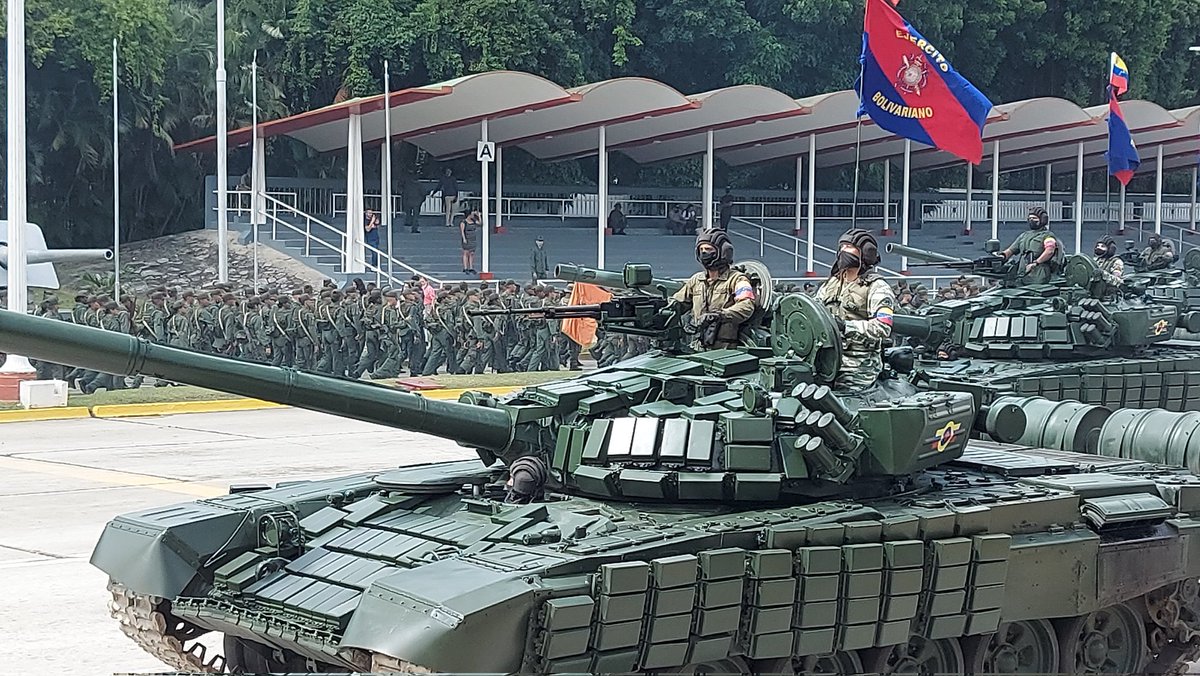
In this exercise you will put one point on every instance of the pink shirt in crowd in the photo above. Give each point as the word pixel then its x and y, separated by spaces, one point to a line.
pixel 429 294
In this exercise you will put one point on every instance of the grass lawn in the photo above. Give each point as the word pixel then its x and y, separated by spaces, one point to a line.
pixel 148 395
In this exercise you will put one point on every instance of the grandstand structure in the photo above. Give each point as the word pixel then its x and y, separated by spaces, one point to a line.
pixel 651 122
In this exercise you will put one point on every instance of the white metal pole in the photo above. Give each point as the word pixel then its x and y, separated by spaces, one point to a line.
pixel 904 188
pixel 256 197
pixel 1158 181
pixel 967 211
pixel 222 154
pixel 355 253
pixel 483 204
pixel 707 187
pixel 812 200
pixel 996 189
pixel 387 162
pixel 1121 214
pixel 887 197
pixel 798 227
pixel 1192 209
pixel 17 293
pixel 499 187
pixel 116 182
pixel 1049 176
pixel 1079 199
pixel 602 198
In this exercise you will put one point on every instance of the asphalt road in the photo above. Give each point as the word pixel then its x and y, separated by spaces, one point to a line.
pixel 60 481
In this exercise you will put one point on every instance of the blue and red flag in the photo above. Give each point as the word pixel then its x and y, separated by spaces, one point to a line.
pixel 1122 154
pixel 910 89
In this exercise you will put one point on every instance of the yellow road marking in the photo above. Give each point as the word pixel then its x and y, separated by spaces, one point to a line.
pixel 63 413
pixel 111 477
pixel 175 407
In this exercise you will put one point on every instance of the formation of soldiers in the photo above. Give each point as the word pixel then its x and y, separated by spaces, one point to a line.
pixel 355 331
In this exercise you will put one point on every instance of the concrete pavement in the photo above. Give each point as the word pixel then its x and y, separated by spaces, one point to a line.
pixel 62 480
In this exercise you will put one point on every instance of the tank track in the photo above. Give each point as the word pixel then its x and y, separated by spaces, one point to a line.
pixel 147 621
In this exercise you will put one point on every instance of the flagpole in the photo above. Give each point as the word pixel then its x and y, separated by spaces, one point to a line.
pixel 116 183
pixel 255 200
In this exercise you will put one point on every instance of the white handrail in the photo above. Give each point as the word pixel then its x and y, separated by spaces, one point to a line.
pixel 795 251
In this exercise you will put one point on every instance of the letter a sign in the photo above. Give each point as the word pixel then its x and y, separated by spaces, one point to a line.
pixel 485 151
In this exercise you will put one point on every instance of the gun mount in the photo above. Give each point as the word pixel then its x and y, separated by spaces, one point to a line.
pixel 635 315
pixel 634 277
pixel 40 259
pixel 992 265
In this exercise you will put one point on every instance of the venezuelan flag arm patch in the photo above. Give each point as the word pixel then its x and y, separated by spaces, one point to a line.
pixel 884 315
pixel 743 292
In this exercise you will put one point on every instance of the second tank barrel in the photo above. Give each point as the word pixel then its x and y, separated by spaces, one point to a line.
pixel 923 254
pixel 109 352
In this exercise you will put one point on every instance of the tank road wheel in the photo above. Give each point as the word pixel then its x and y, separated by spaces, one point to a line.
pixel 839 663
pixel 1024 647
pixel 730 666
pixel 920 656
pixel 1111 640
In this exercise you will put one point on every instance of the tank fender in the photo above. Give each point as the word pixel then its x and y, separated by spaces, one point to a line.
pixel 427 615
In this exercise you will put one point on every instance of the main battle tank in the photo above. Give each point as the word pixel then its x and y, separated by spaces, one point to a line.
pixel 700 513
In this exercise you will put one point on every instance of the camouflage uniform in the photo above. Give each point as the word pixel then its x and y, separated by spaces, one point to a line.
pixel 865 305
pixel 1157 258
pixel 730 294
pixel 1111 271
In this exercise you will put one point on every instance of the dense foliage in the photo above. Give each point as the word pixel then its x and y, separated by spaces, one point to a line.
pixel 313 52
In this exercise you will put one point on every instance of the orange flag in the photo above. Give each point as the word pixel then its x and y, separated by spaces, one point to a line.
pixel 583 331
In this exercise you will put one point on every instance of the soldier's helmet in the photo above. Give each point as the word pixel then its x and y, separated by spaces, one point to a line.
pixel 865 242
pixel 1106 246
pixel 1038 218
pixel 719 239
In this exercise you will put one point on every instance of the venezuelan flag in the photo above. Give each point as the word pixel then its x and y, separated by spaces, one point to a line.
pixel 909 88
pixel 1118 74
pixel 1122 154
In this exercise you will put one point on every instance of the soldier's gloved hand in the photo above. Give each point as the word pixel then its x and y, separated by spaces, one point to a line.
pixel 709 318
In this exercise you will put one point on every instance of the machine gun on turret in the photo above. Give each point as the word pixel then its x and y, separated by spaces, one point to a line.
pixel 991 265
pixel 634 315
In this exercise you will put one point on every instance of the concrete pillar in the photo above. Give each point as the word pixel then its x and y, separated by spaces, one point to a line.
pixel 812 200
pixel 996 189
pixel 706 184
pixel 601 198
pixel 1079 199
pixel 887 197
pixel 967 215
pixel 258 183
pixel 1158 181
pixel 485 192
pixel 354 259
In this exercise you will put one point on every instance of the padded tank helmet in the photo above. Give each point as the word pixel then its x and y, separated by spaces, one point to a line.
pixel 719 239
pixel 1106 247
pixel 1038 218
pixel 866 244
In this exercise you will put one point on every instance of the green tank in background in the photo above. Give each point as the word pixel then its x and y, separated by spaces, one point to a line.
pixel 677 513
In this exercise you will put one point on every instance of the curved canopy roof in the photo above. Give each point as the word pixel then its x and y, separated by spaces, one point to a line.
pixel 650 122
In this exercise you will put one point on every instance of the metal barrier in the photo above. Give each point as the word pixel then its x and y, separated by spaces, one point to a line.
pixel 272 208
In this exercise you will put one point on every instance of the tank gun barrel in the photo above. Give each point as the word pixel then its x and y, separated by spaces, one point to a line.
pixel 58 255
pixel 633 277
pixel 475 426
pixel 925 255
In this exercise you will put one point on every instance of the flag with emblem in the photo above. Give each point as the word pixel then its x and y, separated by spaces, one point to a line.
pixel 909 88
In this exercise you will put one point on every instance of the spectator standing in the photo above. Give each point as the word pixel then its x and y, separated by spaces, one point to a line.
pixel 675 220
pixel 448 186
pixel 726 206
pixel 690 222
pixel 616 222
pixel 468 228
pixel 371 235
pixel 411 198
pixel 428 293
pixel 539 265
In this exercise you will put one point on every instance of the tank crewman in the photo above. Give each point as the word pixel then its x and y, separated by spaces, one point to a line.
pixel 1110 267
pixel 861 303
pixel 1040 253
pixel 1158 255
pixel 718 296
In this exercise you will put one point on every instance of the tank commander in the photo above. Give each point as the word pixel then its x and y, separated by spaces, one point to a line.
pixel 1040 254
pixel 1158 255
pixel 721 299
pixel 1109 266
pixel 861 303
